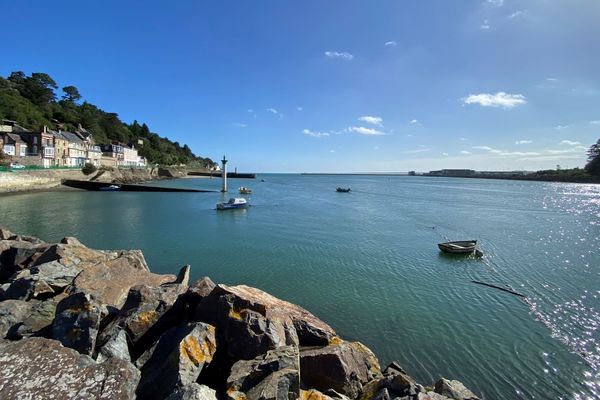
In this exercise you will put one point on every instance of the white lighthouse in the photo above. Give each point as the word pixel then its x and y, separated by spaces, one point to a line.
pixel 224 175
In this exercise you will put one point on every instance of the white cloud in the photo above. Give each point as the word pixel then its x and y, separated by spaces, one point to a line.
pixel 239 125
pixel 561 127
pixel 250 110
pixel 299 108
pixel 391 43
pixel 552 79
pixel 595 122
pixel 445 154
pixel 516 14
pixel 414 121
pixel 465 152
pixel 364 131
pixel 497 3
pixel 488 148
pixel 570 143
pixel 336 54
pixel 308 132
pixel 272 110
pixel 500 99
pixel 332 151
pixel 463 139
pixel 523 142
pixel 421 150
pixel 485 26
pixel 372 120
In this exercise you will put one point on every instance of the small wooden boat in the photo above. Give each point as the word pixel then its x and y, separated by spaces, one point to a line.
pixel 342 190
pixel 245 190
pixel 233 203
pixel 458 247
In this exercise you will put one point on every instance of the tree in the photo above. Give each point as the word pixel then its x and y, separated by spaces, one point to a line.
pixel 593 165
pixel 71 94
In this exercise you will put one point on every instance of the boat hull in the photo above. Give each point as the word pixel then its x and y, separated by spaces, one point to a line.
pixel 222 207
pixel 459 247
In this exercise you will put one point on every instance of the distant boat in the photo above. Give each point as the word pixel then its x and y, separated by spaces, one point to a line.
pixel 342 190
pixel 233 204
pixel 110 188
pixel 245 190
pixel 458 247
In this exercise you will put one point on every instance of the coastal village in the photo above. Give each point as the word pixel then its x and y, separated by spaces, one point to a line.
pixel 48 148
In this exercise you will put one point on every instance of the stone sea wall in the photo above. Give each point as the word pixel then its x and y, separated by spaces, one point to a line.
pixel 90 324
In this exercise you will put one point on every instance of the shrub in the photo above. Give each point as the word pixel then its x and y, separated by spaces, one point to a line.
pixel 89 168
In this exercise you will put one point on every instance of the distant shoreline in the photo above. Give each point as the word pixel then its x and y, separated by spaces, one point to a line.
pixel 356 173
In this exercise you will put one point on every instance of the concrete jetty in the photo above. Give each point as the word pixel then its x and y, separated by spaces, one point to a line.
pixel 96 186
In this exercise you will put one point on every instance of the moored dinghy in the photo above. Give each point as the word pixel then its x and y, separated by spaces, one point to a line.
pixel 342 190
pixel 458 247
pixel 233 203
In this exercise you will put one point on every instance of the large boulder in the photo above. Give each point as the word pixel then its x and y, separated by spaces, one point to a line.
pixel 115 347
pixel 344 367
pixel 454 389
pixel 273 376
pixel 41 281
pixel 77 322
pixel 110 281
pixel 395 383
pixel 176 360
pixel 251 321
pixel 147 313
pixel 12 312
pixel 16 255
pixel 37 368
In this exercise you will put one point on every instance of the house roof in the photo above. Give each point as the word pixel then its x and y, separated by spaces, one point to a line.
pixel 71 137
pixel 15 137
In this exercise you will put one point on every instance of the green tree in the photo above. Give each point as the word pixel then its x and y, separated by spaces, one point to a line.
pixel 71 94
pixel 593 165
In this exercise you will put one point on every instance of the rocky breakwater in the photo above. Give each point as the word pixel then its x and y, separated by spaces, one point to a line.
pixel 89 324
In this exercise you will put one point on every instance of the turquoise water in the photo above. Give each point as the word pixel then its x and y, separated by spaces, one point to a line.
pixel 367 263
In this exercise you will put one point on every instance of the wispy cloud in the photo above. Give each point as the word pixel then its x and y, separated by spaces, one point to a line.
pixel 500 99
pixel 523 142
pixel 595 122
pixel 551 79
pixel 369 119
pixel 570 143
pixel 415 122
pixel 299 108
pixel 561 127
pixel 485 26
pixel 416 151
pixel 487 148
pixel 342 55
pixel 250 110
pixel 308 132
pixel 391 43
pixel 463 139
pixel 239 125
pixel 517 14
pixel 445 154
pixel 332 151
pixel 496 3
pixel 465 152
pixel 272 110
pixel 361 130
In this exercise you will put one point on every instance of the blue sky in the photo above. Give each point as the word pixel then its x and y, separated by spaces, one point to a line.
pixel 332 85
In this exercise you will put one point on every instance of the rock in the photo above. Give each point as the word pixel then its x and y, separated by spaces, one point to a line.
pixel 431 396
pixel 115 347
pixel 183 277
pixel 77 322
pixel 344 367
pixel 15 256
pixel 454 389
pixel 37 368
pixel 13 312
pixel 202 287
pixel 176 360
pixel 111 280
pixel 395 383
pixel 38 322
pixel 275 375
pixel 146 315
pixel 5 234
pixel 252 322
pixel 40 282
pixel 71 240
pixel 193 391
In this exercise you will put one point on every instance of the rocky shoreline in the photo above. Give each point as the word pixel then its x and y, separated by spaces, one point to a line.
pixel 92 324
